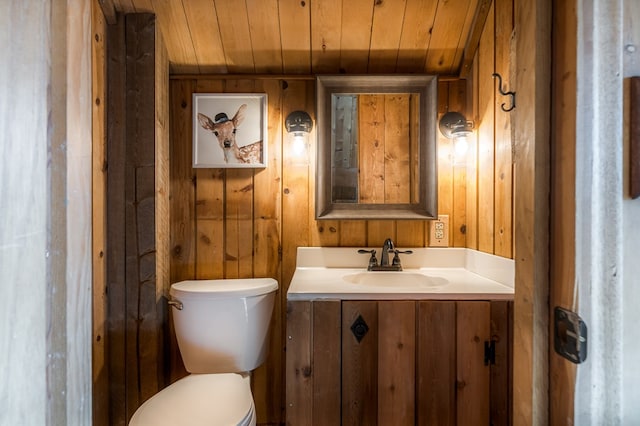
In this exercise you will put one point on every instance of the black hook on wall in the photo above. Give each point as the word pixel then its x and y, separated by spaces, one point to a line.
pixel 505 93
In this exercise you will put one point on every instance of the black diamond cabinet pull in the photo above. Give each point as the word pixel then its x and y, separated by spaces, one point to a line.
pixel 359 328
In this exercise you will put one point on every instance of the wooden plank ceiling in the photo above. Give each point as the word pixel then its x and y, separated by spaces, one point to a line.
pixel 315 36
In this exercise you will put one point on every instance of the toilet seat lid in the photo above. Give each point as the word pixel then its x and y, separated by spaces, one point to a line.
pixel 199 399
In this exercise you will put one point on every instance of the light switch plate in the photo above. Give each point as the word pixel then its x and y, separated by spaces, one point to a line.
pixel 439 231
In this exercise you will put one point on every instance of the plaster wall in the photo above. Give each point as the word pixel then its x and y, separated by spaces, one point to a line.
pixel 607 221
pixel 631 240
pixel 599 219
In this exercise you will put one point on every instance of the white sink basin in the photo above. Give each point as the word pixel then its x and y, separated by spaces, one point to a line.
pixel 394 279
pixel 340 273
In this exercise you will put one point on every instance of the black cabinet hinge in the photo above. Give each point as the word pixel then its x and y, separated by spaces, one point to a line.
pixel 490 352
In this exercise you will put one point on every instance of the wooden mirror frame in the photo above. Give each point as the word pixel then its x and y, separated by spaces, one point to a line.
pixel 424 85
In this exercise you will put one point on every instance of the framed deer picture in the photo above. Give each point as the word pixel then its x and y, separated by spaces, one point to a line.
pixel 229 130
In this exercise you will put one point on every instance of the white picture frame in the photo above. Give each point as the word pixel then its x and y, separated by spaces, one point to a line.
pixel 230 130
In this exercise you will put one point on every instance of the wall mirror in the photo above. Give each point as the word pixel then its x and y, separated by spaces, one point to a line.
pixel 376 155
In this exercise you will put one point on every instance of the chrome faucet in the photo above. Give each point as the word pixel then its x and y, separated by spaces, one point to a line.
pixel 385 265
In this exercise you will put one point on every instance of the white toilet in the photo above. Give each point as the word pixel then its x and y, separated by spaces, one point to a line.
pixel 222 327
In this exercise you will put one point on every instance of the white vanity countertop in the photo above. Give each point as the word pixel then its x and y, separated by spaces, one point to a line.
pixel 469 275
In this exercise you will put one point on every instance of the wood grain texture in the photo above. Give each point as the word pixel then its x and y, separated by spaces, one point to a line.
pixel 299 364
pixel 282 203
pixel 386 30
pixel 235 35
pixel 327 351
pixel 209 209
pixel 207 43
pixel 500 397
pixel 326 35
pixel 77 148
pixel 138 227
pixel 436 365
pixel 359 365
pixel 397 150
pixel 116 136
pixel 473 40
pixel 162 201
pixel 264 26
pixel 267 382
pixel 471 212
pixel 332 36
pixel 372 155
pixel 99 204
pixel 356 14
pixel 450 14
pixel 562 373
pixel 531 320
pixel 295 34
pixel 143 327
pixel 486 138
pixel 173 22
pixel 457 219
pixel 472 331
pixel 416 34
pixel 396 362
pixel 503 187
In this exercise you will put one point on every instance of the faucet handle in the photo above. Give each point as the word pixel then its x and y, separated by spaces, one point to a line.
pixel 396 258
pixel 372 260
pixel 403 251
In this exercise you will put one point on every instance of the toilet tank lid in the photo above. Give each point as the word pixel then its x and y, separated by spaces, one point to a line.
pixel 238 287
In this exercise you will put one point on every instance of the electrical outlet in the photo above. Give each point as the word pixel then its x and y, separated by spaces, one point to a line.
pixel 439 232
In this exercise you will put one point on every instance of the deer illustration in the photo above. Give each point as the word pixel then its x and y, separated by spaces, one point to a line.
pixel 225 130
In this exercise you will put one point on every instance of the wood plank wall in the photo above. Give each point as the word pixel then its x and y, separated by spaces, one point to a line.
pixel 244 223
pixel 228 223
pixel 490 158
pixel 137 216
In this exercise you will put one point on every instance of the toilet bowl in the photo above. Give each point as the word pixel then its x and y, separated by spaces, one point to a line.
pixel 200 399
pixel 222 328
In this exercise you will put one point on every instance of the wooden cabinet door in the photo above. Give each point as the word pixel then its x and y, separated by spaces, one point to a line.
pixel 399 363
pixel 436 363
pixel 378 368
pixel 473 328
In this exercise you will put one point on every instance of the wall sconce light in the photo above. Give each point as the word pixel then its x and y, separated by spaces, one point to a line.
pixel 298 125
pixel 454 125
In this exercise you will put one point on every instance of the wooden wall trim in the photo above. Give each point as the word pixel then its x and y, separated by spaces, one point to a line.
pixel 473 42
pixel 292 77
pixel 563 195
pixel 78 213
pixel 533 21
pixel 99 191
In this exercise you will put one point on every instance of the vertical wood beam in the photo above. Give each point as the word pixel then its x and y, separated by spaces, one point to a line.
pixel 99 193
pixel 533 50
pixel 137 205
pixel 563 196
pixel 116 113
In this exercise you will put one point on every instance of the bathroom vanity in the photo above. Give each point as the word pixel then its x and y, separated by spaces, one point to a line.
pixel 369 348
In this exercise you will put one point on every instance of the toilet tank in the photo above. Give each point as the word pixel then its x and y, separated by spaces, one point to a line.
pixel 222 326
